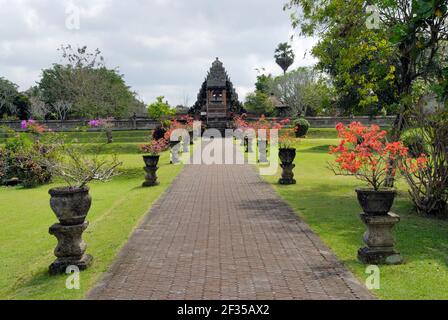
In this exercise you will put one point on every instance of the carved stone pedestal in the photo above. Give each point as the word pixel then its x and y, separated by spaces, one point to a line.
pixel 262 151
pixel 151 176
pixel 287 174
pixel 71 249
pixel 379 240
pixel 185 146
pixel 175 146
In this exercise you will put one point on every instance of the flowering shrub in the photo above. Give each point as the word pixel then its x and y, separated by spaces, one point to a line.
pixel 103 124
pixel 32 127
pixel 174 125
pixel 240 122
pixel 27 160
pixel 286 140
pixel 365 153
pixel 189 122
pixel 155 147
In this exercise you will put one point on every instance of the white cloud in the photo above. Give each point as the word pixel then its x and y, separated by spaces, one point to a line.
pixel 164 47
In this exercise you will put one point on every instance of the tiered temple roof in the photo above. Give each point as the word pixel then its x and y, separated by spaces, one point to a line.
pixel 217 78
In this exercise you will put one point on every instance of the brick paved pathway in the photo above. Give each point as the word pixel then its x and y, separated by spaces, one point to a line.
pixel 220 232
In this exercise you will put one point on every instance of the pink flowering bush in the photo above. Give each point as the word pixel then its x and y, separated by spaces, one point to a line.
pixel 103 124
pixel 155 147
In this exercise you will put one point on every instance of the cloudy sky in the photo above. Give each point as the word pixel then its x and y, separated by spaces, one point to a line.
pixel 163 47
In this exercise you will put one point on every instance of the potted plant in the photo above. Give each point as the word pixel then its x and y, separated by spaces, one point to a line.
pixel 301 127
pixel 364 153
pixel 151 159
pixel 189 126
pixel 287 155
pixel 174 144
pixel 71 205
pixel 104 124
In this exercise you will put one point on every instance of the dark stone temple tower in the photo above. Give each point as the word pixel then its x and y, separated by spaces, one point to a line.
pixel 217 99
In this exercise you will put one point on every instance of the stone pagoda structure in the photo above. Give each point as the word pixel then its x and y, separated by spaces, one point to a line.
pixel 217 99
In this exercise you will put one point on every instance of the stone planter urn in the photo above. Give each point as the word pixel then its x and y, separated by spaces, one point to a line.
pixel 71 206
pixel 151 168
pixel 287 157
pixel 379 222
pixel 174 147
pixel 262 151
pixel 377 203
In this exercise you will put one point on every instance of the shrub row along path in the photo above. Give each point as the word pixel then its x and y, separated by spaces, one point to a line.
pixel 221 232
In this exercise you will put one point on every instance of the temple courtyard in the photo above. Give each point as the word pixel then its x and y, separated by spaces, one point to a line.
pixel 219 231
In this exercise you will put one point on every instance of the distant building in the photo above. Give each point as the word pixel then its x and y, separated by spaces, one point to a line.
pixel 182 110
pixel 281 108
pixel 217 99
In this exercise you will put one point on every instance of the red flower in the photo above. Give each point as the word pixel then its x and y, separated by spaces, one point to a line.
pixel 365 153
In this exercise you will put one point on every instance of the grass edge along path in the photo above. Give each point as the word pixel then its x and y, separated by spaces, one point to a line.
pixel 328 205
pixel 118 208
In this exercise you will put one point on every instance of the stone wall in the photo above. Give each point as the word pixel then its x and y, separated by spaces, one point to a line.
pixel 148 124
pixel 74 125
pixel 331 122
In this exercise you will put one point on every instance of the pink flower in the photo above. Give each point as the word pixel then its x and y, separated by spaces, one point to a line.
pixel 94 123
pixel 24 124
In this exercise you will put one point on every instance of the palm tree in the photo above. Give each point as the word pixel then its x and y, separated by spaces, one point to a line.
pixel 284 56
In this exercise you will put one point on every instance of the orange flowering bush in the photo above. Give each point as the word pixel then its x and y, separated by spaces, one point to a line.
pixel 189 122
pixel 240 122
pixel 174 125
pixel 365 153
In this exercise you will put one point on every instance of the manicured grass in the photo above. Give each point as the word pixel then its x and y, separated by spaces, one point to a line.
pixel 26 248
pixel 328 204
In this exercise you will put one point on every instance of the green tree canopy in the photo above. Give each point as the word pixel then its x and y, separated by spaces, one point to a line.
pixel 373 64
pixel 160 109
pixel 85 83
pixel 284 56
pixel 12 102
pixel 259 103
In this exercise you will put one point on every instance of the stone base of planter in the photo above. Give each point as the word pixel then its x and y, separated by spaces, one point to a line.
pixel 151 177
pixel 379 240
pixel 71 249
pixel 61 264
pixel 287 181
pixel 287 174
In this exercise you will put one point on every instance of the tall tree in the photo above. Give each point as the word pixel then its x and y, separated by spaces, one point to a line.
pixel 284 56
pixel 376 63
pixel 405 44
pixel 85 83
pixel 160 109
pixel 8 94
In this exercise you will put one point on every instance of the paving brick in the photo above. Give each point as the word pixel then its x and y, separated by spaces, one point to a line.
pixel 221 232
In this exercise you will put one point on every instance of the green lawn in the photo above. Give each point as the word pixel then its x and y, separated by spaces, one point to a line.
pixel 26 248
pixel 328 204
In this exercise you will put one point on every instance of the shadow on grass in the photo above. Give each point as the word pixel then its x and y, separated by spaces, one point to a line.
pixel 333 212
pixel 318 149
